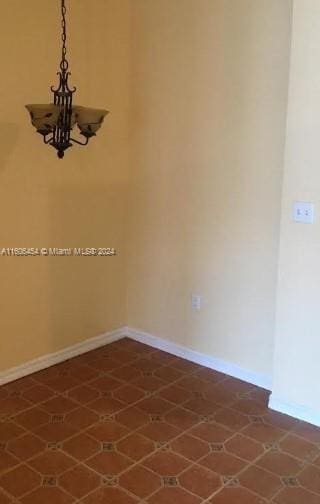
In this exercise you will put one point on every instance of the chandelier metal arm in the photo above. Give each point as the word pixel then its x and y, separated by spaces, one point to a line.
pixel 80 143
pixel 50 138
pixel 46 139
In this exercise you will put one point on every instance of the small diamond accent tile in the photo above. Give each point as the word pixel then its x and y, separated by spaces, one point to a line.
pixel 108 447
pixel 229 481
pixel 256 419
pixel 206 418
pixel 170 481
pixel 110 480
pixel 216 447
pixel 290 481
pixel 163 446
pixel 106 393
pixel 57 418
pixel 107 418
pixel 156 418
pixel 198 394
pixel 274 447
pixel 54 446
pixel 49 481
pixel 5 418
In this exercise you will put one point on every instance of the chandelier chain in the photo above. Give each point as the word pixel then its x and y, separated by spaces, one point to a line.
pixel 64 63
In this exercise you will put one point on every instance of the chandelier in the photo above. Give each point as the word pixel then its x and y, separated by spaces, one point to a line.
pixel 55 121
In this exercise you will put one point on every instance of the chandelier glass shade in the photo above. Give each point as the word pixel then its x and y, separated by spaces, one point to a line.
pixel 55 121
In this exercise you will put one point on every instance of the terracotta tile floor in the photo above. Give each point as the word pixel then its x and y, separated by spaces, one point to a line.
pixel 127 424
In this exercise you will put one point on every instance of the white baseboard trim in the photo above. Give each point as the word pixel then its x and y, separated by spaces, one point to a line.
pixel 229 368
pixel 294 410
pixel 275 403
pixel 48 360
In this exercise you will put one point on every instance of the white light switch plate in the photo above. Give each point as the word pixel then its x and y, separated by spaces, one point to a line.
pixel 196 302
pixel 303 212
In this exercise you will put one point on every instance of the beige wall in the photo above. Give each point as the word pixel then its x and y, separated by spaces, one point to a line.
pixel 210 96
pixel 50 303
pixel 297 347
pixel 198 95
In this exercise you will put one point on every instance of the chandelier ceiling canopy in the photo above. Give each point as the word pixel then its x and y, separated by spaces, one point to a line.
pixel 55 121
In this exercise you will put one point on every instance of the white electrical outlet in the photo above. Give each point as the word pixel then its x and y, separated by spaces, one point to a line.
pixel 196 302
pixel 303 212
